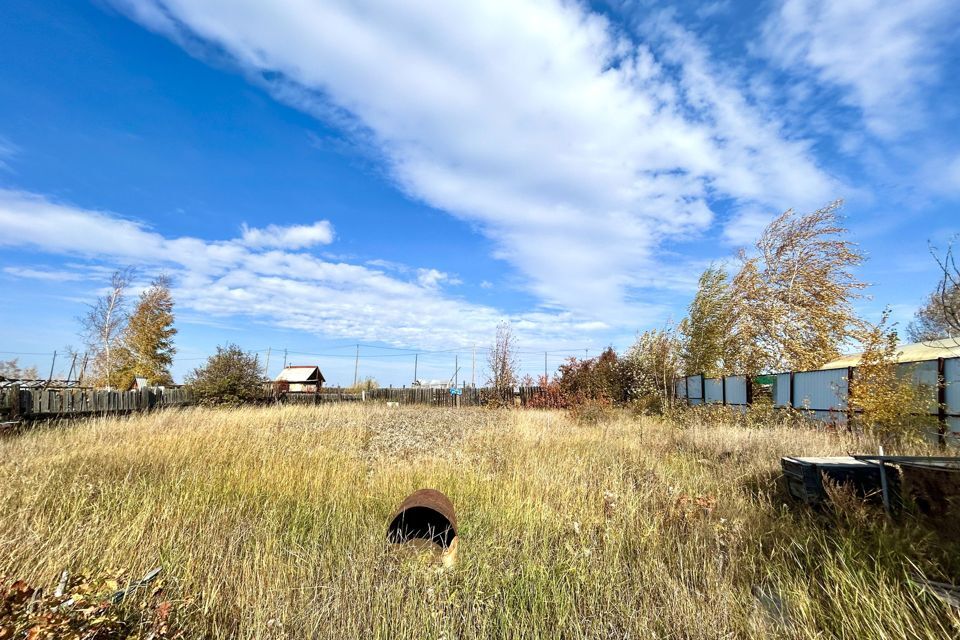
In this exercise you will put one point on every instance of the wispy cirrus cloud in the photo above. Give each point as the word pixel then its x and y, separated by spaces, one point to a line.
pixel 51 275
pixel 884 55
pixel 577 149
pixel 7 151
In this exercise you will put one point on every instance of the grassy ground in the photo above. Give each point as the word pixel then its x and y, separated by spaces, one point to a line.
pixel 270 522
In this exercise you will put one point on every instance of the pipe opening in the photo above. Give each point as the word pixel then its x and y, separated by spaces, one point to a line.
pixel 421 523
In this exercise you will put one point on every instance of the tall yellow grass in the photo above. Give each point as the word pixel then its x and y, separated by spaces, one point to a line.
pixel 270 522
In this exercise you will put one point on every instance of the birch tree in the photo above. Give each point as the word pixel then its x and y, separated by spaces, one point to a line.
pixel 793 299
pixel 706 331
pixel 502 361
pixel 103 327
pixel 651 365
pixel 889 405
pixel 939 317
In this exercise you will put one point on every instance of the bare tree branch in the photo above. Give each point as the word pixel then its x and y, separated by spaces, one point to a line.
pixel 103 325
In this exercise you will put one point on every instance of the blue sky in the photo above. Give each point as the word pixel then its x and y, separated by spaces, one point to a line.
pixel 405 175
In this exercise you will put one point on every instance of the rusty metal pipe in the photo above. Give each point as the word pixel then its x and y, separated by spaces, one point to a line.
pixel 426 514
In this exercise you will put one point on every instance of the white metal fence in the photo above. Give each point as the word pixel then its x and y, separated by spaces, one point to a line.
pixel 824 393
pixel 728 390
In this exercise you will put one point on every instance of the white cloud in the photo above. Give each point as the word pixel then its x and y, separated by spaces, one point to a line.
pixel 709 10
pixel 291 237
pixel 223 279
pixel 434 278
pixel 389 265
pixel 576 150
pixel 882 53
pixel 746 226
pixel 43 274
pixel 941 174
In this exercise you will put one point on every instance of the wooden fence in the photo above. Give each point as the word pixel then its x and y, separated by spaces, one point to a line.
pixel 468 396
pixel 18 404
pixel 26 404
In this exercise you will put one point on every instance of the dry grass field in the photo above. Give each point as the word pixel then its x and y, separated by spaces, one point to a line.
pixel 270 523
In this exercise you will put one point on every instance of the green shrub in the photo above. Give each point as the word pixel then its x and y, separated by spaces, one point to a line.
pixel 230 376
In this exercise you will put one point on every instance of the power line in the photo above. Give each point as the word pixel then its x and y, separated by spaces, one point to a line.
pixel 27 353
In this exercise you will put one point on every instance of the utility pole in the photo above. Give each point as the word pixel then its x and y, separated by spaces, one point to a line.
pixel 456 368
pixel 473 368
pixel 267 368
pixel 544 367
pixel 284 358
pixel 416 357
pixel 83 369
pixel 73 363
pixel 52 364
pixel 356 366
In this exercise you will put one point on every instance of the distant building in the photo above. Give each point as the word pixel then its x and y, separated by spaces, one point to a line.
pixel 303 379
pixel 139 384
pixel 432 384
pixel 916 352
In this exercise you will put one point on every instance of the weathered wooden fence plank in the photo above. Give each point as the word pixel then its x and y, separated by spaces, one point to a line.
pixel 17 403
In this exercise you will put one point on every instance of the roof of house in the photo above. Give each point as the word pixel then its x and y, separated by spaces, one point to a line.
pixel 916 352
pixel 308 373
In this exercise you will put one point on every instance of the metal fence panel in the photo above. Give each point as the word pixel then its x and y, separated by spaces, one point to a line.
pixel 713 390
pixel 781 390
pixel 951 373
pixel 681 388
pixel 695 389
pixel 820 390
pixel 831 417
pixel 736 389
pixel 924 376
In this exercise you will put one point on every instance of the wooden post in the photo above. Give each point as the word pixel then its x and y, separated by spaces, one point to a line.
pixel 791 401
pixel 356 367
pixel 723 390
pixel 686 386
pixel 748 383
pixel 941 403
pixel 52 365
pixel 885 486
pixel 15 410
pixel 73 363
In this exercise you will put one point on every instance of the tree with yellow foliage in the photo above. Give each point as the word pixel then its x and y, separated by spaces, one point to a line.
pixel 793 299
pixel 705 333
pixel 888 404
pixel 149 334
